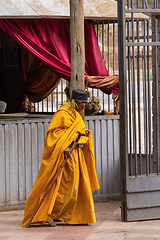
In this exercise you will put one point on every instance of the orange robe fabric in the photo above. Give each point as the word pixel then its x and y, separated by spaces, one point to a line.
pixel 70 198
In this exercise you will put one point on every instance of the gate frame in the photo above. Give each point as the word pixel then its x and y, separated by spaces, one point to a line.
pixel 123 106
pixel 131 186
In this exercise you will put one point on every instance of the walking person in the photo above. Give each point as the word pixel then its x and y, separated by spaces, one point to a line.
pixel 70 198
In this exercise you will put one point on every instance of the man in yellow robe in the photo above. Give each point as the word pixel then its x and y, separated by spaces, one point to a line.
pixel 70 198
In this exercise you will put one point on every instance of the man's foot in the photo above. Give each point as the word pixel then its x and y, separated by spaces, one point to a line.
pixel 51 222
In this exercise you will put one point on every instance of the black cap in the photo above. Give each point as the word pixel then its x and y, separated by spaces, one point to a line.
pixel 80 95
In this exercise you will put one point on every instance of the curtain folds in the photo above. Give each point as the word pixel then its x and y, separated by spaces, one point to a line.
pixel 49 41
pixel 40 81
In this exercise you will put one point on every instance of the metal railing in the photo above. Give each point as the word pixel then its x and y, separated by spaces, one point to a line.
pixel 142 87
pixel 107 34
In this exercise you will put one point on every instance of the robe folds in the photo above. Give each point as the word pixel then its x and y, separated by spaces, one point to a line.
pixel 70 198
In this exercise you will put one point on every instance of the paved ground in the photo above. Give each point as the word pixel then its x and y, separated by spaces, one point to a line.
pixel 108 227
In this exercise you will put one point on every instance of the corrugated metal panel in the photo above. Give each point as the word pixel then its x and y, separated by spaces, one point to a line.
pixel 59 9
pixel 21 148
pixel 105 132
pixel 143 193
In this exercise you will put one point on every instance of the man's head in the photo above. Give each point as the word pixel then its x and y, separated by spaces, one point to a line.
pixel 80 97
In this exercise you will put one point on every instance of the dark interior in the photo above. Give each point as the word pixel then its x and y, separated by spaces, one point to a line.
pixel 11 74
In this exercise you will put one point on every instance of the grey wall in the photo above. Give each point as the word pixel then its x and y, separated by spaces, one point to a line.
pixel 21 148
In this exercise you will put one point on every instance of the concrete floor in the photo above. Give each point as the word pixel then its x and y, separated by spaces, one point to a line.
pixel 108 227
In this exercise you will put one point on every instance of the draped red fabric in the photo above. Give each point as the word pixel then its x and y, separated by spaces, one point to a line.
pixel 40 81
pixel 49 41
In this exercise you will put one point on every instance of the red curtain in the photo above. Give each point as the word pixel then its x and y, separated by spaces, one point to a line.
pixel 40 81
pixel 49 41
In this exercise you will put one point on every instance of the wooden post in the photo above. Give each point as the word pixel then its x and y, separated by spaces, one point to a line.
pixel 77 44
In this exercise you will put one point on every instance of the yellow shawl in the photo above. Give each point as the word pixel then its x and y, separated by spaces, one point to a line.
pixel 70 198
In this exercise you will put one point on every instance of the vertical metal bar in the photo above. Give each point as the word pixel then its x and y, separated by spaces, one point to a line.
pixel 149 102
pixel 97 29
pixel 129 101
pixel 42 107
pixel 145 103
pixel 46 100
pixel 103 40
pixel 155 4
pixel 127 3
pixel 97 92
pixel 109 104
pixel 56 98
pixel 132 4
pixel 108 62
pixel 134 99
pixel 103 100
pixel 143 4
pixel 35 107
pixel 139 109
pixel 157 93
pixel 97 39
pixel 31 106
pixel 108 48
pixel 92 91
pixel 28 102
pixel 61 92
pixel 137 3
pixel 38 107
pixel 123 106
pixel 114 47
pixel 52 101
pixel 146 4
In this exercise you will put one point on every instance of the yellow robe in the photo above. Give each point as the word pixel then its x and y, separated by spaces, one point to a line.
pixel 70 198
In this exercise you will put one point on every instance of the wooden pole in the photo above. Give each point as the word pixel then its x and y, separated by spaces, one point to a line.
pixel 77 44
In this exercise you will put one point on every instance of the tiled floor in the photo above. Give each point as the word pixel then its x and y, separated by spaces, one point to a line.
pixel 108 227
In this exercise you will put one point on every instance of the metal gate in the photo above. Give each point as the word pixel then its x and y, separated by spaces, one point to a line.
pixel 139 52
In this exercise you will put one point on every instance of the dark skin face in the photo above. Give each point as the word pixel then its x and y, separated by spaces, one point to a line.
pixel 81 106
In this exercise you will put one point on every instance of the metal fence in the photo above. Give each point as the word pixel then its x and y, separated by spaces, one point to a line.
pixel 142 86
pixel 107 34
pixel 139 87
pixel 139 76
pixel 21 149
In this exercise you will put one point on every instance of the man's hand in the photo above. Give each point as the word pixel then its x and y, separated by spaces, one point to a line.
pixel 87 132
pixel 67 152
pixel 80 145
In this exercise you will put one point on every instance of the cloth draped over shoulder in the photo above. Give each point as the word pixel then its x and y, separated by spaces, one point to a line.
pixel 70 198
